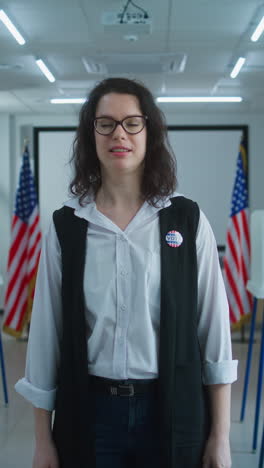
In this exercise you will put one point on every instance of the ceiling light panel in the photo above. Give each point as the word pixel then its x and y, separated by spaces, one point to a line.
pixel 239 64
pixel 68 101
pixel 199 99
pixel 258 31
pixel 43 67
pixel 11 28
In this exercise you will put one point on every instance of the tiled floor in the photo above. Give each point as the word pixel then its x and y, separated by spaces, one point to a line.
pixel 16 421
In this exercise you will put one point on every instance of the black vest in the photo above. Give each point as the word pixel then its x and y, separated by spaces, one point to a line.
pixel 182 400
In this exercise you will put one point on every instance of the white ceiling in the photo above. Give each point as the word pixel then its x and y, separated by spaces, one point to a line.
pixel 211 33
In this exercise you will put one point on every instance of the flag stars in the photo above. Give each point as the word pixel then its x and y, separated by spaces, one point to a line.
pixel 26 199
pixel 239 196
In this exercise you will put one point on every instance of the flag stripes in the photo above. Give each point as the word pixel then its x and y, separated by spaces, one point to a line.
pixel 237 256
pixel 23 254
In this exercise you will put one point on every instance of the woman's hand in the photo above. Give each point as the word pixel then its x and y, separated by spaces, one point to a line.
pixel 217 453
pixel 45 456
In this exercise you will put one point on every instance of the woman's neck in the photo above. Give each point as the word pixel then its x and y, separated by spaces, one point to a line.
pixel 126 193
pixel 119 196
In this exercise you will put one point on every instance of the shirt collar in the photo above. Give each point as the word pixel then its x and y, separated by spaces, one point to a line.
pixel 89 211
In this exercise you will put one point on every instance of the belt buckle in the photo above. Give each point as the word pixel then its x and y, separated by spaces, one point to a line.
pixel 130 388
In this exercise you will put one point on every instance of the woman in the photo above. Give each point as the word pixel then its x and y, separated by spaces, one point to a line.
pixel 130 339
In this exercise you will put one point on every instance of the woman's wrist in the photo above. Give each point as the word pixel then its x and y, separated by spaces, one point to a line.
pixel 43 433
pixel 221 435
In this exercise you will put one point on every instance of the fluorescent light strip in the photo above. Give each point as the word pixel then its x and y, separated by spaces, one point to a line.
pixel 258 31
pixel 11 28
pixel 199 99
pixel 45 70
pixel 68 101
pixel 237 67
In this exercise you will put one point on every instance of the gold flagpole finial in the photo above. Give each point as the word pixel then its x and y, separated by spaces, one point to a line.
pixel 25 144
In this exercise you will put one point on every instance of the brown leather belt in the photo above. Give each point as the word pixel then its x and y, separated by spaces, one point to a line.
pixel 128 387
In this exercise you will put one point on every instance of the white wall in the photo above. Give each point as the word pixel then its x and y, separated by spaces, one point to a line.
pixel 36 120
pixel 10 158
pixel 4 196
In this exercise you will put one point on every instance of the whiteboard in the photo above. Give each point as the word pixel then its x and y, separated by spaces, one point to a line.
pixel 206 167
pixel 54 171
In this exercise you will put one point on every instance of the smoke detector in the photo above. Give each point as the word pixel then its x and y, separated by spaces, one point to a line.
pixel 131 37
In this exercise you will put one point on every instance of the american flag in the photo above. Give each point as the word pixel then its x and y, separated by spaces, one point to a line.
pixel 23 254
pixel 237 256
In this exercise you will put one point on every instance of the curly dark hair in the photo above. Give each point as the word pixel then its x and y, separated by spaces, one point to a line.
pixel 159 175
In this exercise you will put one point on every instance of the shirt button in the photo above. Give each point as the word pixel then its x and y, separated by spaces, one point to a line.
pixel 123 307
pixel 123 273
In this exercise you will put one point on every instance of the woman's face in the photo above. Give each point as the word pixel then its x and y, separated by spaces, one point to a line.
pixel 130 149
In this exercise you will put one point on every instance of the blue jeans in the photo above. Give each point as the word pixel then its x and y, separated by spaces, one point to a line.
pixel 126 431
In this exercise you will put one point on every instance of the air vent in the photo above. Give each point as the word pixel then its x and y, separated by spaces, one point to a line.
pixel 9 66
pixel 135 63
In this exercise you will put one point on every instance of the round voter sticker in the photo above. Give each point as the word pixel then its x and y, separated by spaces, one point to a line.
pixel 174 239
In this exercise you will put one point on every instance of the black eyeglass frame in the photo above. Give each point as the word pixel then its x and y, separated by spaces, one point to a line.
pixel 120 122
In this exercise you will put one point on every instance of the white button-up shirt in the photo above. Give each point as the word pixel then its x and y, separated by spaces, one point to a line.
pixel 122 304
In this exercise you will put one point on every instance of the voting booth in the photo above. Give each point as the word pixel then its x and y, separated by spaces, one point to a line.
pixel 255 286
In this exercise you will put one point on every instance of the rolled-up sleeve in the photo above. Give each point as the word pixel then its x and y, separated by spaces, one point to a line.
pixel 213 312
pixel 43 352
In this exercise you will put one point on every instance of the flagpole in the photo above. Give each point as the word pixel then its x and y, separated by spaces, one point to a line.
pixel 2 361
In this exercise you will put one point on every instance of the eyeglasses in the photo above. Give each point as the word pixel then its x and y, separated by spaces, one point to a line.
pixel 133 124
